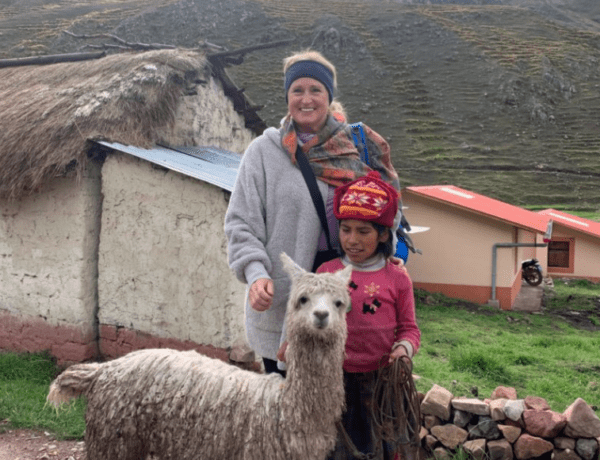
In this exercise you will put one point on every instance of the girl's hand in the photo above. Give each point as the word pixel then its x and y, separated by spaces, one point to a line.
pixel 397 353
pixel 281 352
pixel 261 294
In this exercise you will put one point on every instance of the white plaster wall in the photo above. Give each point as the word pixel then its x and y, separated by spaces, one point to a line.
pixel 47 251
pixel 163 251
pixel 163 258
pixel 458 247
pixel 208 118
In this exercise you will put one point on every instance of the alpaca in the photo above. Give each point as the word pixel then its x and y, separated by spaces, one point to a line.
pixel 182 405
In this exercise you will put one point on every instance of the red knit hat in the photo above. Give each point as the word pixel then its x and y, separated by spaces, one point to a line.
pixel 368 198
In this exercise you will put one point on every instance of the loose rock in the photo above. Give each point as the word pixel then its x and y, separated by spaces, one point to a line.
pixel 582 422
pixel 437 402
pixel 514 409
pixel 544 423
pixel 586 448
pixel 500 450
pixel 476 448
pixel 449 435
pixel 528 446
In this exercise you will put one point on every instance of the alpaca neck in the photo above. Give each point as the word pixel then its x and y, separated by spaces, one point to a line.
pixel 315 382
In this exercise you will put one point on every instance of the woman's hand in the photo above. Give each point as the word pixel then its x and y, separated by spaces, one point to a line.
pixel 397 353
pixel 261 294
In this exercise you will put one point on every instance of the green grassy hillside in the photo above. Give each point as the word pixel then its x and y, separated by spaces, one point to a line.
pixel 499 99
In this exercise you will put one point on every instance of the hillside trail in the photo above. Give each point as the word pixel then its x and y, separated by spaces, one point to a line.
pixel 21 444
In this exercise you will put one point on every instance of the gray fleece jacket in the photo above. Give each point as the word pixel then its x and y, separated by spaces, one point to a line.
pixel 270 211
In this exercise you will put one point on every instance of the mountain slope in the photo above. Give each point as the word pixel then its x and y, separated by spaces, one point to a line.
pixel 499 99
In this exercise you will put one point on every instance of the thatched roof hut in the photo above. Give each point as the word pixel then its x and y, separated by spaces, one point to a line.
pixel 115 251
pixel 49 113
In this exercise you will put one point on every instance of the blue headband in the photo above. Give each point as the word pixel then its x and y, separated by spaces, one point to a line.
pixel 309 69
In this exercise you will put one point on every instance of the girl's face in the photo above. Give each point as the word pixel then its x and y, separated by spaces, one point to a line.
pixel 359 239
pixel 308 103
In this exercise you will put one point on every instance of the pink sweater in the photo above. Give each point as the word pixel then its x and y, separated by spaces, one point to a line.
pixel 383 312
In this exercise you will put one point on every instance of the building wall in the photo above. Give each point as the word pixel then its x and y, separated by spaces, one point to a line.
pixel 458 247
pixel 163 260
pixel 164 278
pixel 524 236
pixel 457 252
pixel 156 276
pixel 208 118
pixel 48 242
pixel 586 254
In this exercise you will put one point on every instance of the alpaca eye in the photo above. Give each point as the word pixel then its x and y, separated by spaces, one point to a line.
pixel 303 299
pixel 339 304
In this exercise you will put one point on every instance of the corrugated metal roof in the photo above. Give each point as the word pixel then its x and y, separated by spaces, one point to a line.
pixel 213 155
pixel 481 204
pixel 575 222
pixel 209 164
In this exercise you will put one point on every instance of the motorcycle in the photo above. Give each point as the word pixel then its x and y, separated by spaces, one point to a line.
pixel 532 272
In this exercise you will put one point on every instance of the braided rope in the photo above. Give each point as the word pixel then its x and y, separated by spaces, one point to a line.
pixel 396 412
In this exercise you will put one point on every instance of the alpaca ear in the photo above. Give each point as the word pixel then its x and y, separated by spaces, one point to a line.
pixel 345 274
pixel 291 268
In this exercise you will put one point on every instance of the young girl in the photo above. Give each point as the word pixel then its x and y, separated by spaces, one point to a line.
pixel 381 323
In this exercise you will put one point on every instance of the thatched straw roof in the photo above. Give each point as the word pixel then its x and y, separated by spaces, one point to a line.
pixel 49 113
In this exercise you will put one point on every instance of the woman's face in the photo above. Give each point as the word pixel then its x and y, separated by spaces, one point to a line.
pixel 308 103
pixel 359 239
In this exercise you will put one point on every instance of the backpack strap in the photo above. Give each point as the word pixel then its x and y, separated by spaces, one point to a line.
pixel 358 136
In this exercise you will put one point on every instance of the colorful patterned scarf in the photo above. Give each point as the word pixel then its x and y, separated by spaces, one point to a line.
pixel 333 155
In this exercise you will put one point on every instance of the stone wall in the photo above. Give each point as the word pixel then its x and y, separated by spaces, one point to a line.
pixel 505 427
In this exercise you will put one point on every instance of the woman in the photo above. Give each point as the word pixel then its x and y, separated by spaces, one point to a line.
pixel 271 210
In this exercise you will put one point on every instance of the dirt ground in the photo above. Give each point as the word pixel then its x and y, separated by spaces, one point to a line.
pixel 37 445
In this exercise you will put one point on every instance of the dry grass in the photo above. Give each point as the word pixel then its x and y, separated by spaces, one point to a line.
pixel 49 113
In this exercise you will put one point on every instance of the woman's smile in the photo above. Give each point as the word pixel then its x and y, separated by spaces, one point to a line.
pixel 308 103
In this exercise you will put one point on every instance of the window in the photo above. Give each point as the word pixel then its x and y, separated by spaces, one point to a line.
pixel 561 255
pixel 558 254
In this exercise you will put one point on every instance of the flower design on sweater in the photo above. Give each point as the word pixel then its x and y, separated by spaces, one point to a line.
pixel 372 289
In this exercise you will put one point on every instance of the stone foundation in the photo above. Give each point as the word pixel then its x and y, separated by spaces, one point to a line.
pixel 71 344
pixel 68 343
pixel 118 341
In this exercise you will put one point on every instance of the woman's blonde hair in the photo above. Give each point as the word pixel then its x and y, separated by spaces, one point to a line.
pixel 312 55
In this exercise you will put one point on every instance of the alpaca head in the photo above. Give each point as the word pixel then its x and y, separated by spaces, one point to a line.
pixel 318 302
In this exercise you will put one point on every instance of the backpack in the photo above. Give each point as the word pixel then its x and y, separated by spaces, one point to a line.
pixel 404 241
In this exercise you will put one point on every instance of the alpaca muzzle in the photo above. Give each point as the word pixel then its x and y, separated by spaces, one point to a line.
pixel 321 319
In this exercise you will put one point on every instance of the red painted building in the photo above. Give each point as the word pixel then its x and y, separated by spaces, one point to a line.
pixel 475 244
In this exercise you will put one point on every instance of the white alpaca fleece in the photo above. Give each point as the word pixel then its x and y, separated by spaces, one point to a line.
pixel 184 406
